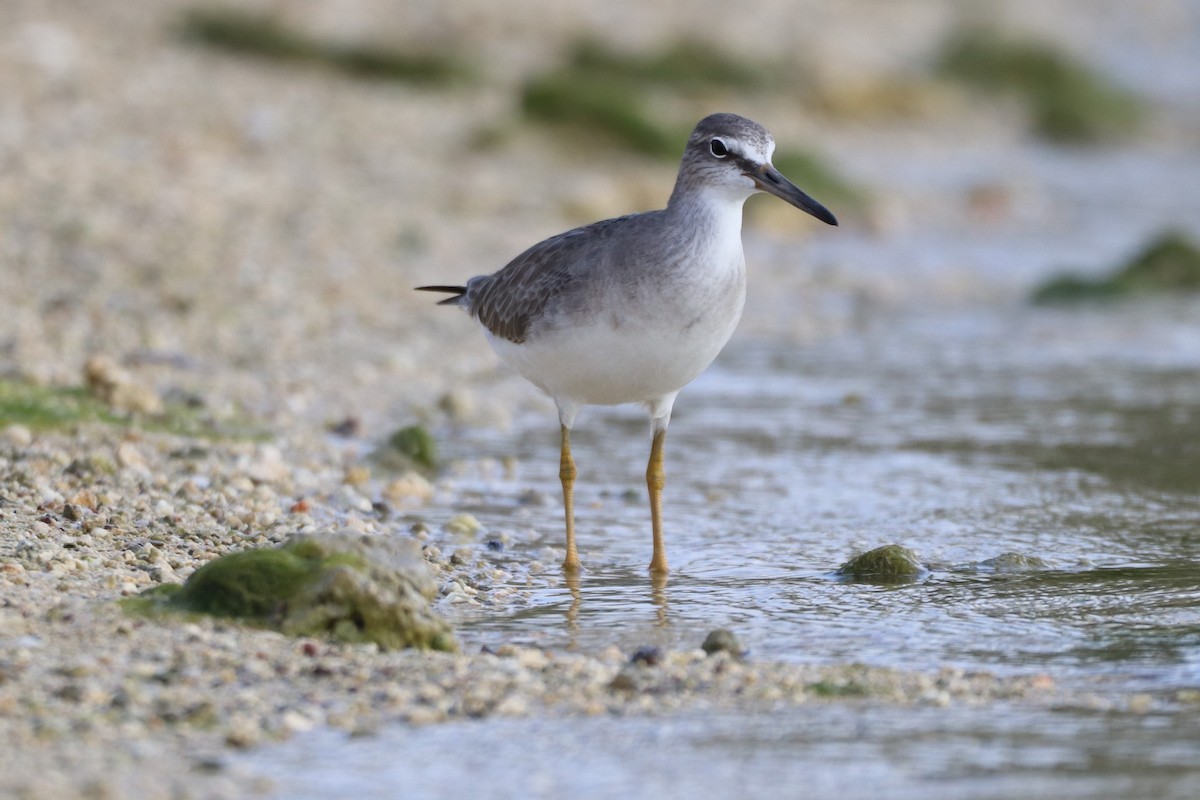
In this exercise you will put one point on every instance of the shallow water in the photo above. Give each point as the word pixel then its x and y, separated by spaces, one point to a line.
pixel 1065 436
pixel 1072 437
pixel 834 750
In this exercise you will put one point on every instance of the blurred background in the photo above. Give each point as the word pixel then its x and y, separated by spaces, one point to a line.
pixel 235 200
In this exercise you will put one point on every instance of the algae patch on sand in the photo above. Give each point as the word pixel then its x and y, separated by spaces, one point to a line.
pixel 264 36
pixel 44 407
pixel 352 587
pixel 1067 101
pixel 1169 263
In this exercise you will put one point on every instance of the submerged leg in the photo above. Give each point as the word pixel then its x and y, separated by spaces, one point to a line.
pixel 566 474
pixel 655 480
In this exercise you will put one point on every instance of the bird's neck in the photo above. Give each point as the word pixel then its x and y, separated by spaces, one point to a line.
pixel 711 215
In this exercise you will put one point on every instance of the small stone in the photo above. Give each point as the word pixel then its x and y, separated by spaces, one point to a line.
pixel 512 706
pixel 1014 562
pixel 533 497
pixel 1141 703
pixel 409 486
pixel 424 715
pixel 163 573
pixel 293 721
pixel 87 499
pixel 463 525
pixel 623 682
pixel 114 386
pixel 357 476
pixel 243 732
pixel 1188 696
pixel 1041 682
pixel 457 405
pixel 267 465
pixel 130 457
pixel 532 659
pixel 18 436
pixel 647 656
pixel 722 641
pixel 348 427
pixel 346 498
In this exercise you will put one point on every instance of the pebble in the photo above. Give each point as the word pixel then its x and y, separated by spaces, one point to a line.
pixel 17 436
pixel 463 526
pixel 347 498
pixel 409 487
pixel 130 457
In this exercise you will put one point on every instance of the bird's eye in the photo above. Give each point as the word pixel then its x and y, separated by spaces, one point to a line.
pixel 718 148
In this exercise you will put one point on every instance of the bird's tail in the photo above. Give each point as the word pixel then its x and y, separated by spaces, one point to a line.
pixel 457 291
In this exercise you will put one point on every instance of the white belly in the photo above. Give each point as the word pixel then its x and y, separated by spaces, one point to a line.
pixel 599 365
pixel 608 361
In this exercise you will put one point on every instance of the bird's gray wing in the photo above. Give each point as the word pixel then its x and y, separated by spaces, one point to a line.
pixel 512 300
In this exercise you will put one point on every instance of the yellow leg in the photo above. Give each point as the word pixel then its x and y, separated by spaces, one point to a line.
pixel 655 480
pixel 566 473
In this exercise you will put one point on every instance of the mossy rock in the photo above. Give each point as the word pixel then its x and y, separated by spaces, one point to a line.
pixel 888 564
pixel 723 640
pixel 686 63
pixel 411 447
pixel 263 36
pixel 352 587
pixel 1170 263
pixel 603 91
pixel 1068 101
pixel 600 107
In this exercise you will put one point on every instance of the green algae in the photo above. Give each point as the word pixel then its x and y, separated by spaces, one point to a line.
pixel 837 689
pixel 1068 101
pixel 42 408
pixel 1169 263
pixel 890 563
pixel 410 447
pixel 352 588
pixel 600 107
pixel 249 584
pixel 45 407
pixel 263 36
pixel 608 111
pixel 686 63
